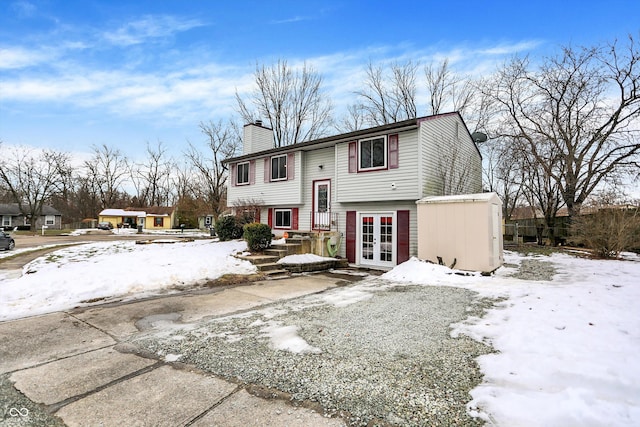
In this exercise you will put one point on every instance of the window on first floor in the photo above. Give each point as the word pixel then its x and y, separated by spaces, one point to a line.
pixel 208 220
pixel 242 173
pixel 158 221
pixel 282 218
pixel 6 220
pixel 279 168
pixel 50 220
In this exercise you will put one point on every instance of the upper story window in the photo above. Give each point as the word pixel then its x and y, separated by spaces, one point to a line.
pixel 242 173
pixel 372 153
pixel 279 168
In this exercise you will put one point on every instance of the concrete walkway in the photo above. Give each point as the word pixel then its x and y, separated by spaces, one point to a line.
pixel 77 365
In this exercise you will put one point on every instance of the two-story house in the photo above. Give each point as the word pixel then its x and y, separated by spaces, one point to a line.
pixel 361 186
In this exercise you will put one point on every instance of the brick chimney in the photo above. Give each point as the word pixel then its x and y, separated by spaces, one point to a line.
pixel 256 138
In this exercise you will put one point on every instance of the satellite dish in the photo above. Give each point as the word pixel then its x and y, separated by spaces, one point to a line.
pixel 479 137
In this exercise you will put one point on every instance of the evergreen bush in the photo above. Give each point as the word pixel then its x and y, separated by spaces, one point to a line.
pixel 258 236
pixel 228 228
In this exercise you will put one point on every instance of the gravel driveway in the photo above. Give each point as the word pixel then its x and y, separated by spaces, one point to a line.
pixel 373 353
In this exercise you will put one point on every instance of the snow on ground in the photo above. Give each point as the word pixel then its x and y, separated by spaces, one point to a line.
pixel 65 278
pixel 567 350
pixel 303 259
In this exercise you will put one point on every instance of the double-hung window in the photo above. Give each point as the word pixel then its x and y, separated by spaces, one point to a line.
pixel 282 218
pixel 6 221
pixel 242 173
pixel 373 153
pixel 279 168
pixel 50 220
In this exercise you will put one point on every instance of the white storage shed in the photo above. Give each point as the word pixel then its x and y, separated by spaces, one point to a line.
pixel 464 231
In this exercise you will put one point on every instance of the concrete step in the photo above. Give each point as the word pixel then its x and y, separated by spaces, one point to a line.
pixel 268 267
pixel 289 248
pixel 277 274
pixel 280 253
pixel 259 259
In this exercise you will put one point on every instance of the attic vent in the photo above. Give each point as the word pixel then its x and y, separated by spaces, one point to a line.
pixel 259 122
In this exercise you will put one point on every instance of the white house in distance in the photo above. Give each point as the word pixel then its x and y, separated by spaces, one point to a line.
pixel 361 187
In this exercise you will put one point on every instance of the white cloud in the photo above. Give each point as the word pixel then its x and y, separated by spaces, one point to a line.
pixel 17 57
pixel 510 49
pixel 23 8
pixel 290 20
pixel 149 27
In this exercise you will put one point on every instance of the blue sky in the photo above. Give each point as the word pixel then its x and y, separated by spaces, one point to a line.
pixel 123 73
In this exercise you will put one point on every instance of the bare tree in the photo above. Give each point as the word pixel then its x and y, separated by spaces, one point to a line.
pixel 152 179
pixel 353 120
pixel 448 91
pixel 107 171
pixel 33 178
pixel 292 100
pixel 389 97
pixel 576 114
pixel 223 141
pixel 504 173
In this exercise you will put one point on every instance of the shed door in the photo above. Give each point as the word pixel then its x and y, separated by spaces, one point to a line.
pixel 377 239
pixel 496 233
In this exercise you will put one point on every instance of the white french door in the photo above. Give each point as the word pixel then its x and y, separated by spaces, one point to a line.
pixel 322 205
pixel 377 239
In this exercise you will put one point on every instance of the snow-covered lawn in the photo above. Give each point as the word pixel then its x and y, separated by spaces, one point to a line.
pixel 124 270
pixel 566 349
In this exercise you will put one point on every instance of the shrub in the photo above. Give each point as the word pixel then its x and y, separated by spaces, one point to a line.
pixel 258 236
pixel 228 228
pixel 609 230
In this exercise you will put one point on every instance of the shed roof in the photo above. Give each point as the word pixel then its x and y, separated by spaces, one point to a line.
pixel 461 198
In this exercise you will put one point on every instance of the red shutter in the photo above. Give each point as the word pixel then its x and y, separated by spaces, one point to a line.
pixel 353 157
pixel 351 236
pixel 252 172
pixel 270 217
pixel 267 169
pixel 256 217
pixel 393 151
pixel 294 218
pixel 403 236
pixel 291 166
pixel 234 176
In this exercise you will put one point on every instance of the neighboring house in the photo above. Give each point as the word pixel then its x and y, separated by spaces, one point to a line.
pixel 152 218
pixel 361 186
pixel 12 217
pixel 206 221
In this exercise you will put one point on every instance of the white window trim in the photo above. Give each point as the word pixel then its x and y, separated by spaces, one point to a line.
pixel 286 170
pixel 6 224
pixel 282 227
pixel 50 220
pixel 386 154
pixel 238 173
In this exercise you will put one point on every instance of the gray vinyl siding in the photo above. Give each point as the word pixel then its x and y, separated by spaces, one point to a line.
pixel 312 172
pixel 377 185
pixel 372 207
pixel 277 193
pixel 450 161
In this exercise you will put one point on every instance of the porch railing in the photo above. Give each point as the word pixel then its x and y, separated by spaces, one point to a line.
pixel 324 221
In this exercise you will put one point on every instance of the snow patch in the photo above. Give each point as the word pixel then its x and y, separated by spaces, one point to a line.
pixel 286 338
pixel 303 259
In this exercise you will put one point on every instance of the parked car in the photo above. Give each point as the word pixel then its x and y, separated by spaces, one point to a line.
pixel 105 226
pixel 6 241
